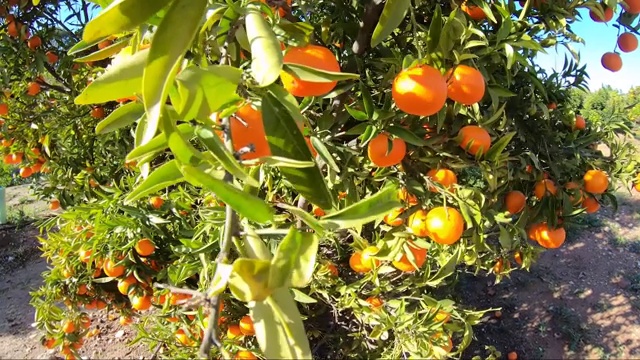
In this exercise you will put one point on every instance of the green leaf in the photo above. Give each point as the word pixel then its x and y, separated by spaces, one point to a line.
pixel 82 46
pixel 286 140
pixel 266 56
pixel 433 37
pixel 253 244
pixel 316 75
pixel 226 159
pixel 364 211
pixel 446 269
pixel 122 80
pixel 496 150
pixel 505 238
pixel 284 259
pixel 104 53
pixel 124 115
pixel 407 136
pixel 288 101
pixel 279 161
pixel 303 298
pixel 251 207
pixel 170 42
pixel 180 146
pixel 203 92
pixel 392 15
pixel 324 153
pixel 121 16
pixel 356 114
pixel 298 33
pixel 166 175
pixel 307 218
pixel 249 280
pixel 305 260
pixel 158 143
pixel 279 328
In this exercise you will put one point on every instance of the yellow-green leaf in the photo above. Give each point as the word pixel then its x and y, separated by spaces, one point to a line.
pixel 266 56
pixel 249 280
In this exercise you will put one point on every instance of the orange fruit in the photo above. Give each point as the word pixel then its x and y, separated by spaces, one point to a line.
pixel 246 326
pixel 49 343
pixel 631 6
pixel 97 112
pixel 13 28
pixel 419 257
pixel 247 130
pixel 313 56
pixel 332 269
pixel 444 225
pixel 608 14
pixel 104 44
pixel 575 192
pixel 544 187
pixel 417 222
pixel 515 202
pixel 183 338
pixel 473 11
pixel 443 316
pixel 420 90
pixel 156 202
pixel 591 205
pixel 125 320
pixel 448 346
pixel 7 142
pixel 234 331
pixel 82 289
pixel 408 198
pixel 4 109
pixel 34 42
pixel 611 61
pixel 126 283
pixel 375 302
pixel 518 257
pixel 498 266
pixel 393 217
pixel 512 356
pixel 54 204
pixel 579 123
pixel 474 139
pixel 466 84
pixel 282 11
pixel 627 42
pixel 444 177
pixel 177 298
pixel 380 154
pixel 113 270
pixel 25 172
pixel 595 181
pixel 245 355
pixel 355 262
pixel 33 89
pixel 368 259
pixel 317 211
pixel 547 237
pixel 52 58
pixel 68 327
pixel 140 303
pixel 144 247
pixel 552 106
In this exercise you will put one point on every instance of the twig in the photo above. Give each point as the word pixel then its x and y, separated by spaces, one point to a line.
pixel 154 356
pixel 372 12
pixel 302 204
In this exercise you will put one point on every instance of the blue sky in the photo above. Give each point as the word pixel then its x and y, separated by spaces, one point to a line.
pixel 599 38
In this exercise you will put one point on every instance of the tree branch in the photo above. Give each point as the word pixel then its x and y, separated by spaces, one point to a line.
pixel 372 12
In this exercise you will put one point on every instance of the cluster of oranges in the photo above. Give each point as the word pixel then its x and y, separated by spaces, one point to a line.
pixel 34 157
pixel 627 42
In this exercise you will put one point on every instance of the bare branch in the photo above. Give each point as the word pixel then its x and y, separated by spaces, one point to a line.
pixel 372 12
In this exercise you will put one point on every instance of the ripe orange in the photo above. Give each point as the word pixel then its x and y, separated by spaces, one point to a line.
pixel 444 225
pixel 104 44
pixel 246 326
pixel 25 172
pixel 113 270
pixel 49 343
pixel 547 237
pixel 140 303
pixel 380 154
pixel 420 90
pixel 97 112
pixel 156 202
pixel 580 123
pixel 13 28
pixel 34 42
pixel 68 327
pixel 355 262
pixel 627 42
pixel 473 11
pixel 393 217
pixel 233 331
pixel 518 257
pixel 474 139
pixel 611 61
pixel 408 198
pixel 183 338
pixel 512 356
pixel 498 266
pixel 245 355
pixel 4 109
pixel 54 204
pixel 7 142
pixel 444 177
pixel 282 11
pixel 591 205
pixel 368 259
pixel 466 85
pixel 332 269
pixel 125 284
pixel 544 187
pixel 595 181
pixel 417 222
pixel 515 202
pixel 419 257
pixel 144 247
pixel 82 289
pixel 552 106
pixel 247 129
pixel 608 14
pixel 631 6
pixel 52 58
pixel 317 211
pixel 177 298
pixel 375 302
pixel 125 320
pixel 33 89
pixel 313 56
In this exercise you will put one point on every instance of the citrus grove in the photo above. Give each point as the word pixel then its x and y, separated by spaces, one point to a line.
pixel 288 179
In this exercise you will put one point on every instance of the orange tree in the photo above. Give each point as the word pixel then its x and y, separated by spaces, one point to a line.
pixel 310 174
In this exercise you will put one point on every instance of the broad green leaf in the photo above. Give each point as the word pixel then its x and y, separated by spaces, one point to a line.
pixel 286 140
pixel 249 280
pixel 122 80
pixel 280 162
pixel 324 153
pixel 166 175
pixel 305 261
pixel 364 211
pixel 82 46
pixel 121 16
pixel 251 207
pixel 301 297
pixel 124 115
pixel 446 269
pixel 158 143
pixel 289 102
pixel 496 150
pixel 220 279
pixel 505 238
pixel 203 92
pixel 279 328
pixel 316 75
pixel 170 42
pixel 298 33
pixel 284 259
pixel 266 56
pixel 226 159
pixel 180 146
pixel 104 53
pixel 407 136
pixel 392 15
pixel 435 28
pixel 253 244
pixel 307 218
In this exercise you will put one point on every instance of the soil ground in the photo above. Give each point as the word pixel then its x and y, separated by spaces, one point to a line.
pixel 580 301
